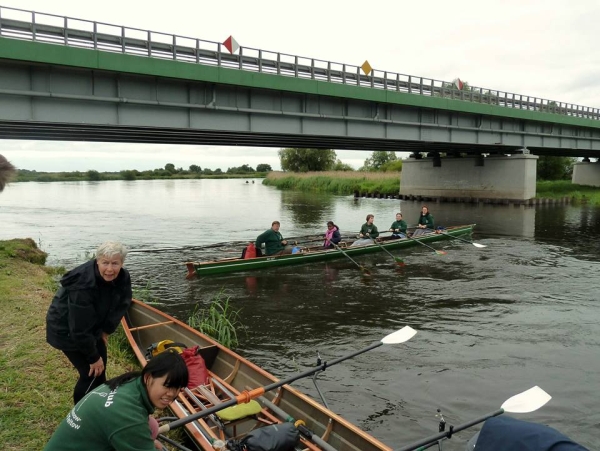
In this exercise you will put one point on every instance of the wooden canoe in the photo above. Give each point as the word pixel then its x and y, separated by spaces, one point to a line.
pixel 231 374
pixel 315 254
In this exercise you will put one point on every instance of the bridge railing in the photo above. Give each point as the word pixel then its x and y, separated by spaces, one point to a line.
pixel 62 30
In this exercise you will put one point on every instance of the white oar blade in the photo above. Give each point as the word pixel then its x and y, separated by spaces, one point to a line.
pixel 400 336
pixel 480 246
pixel 528 401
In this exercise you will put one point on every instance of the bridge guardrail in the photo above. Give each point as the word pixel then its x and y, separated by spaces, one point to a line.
pixel 49 28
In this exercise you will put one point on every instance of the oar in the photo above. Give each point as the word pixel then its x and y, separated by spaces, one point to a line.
pixel 427 245
pixel 361 267
pixel 398 260
pixel 528 401
pixel 400 336
pixel 462 239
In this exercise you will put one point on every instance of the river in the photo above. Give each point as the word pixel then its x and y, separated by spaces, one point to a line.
pixel 492 322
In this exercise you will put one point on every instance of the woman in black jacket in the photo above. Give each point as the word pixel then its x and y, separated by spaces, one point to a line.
pixel 86 310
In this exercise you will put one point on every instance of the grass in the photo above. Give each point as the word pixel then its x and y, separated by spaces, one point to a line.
pixel 36 380
pixel 346 183
pixel 219 321
pixel 554 189
pixel 337 182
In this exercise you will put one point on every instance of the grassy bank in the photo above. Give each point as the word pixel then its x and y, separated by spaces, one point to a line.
pixel 337 182
pixel 560 188
pixel 37 380
pixel 347 183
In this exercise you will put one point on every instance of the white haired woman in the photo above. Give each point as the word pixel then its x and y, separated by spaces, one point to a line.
pixel 86 309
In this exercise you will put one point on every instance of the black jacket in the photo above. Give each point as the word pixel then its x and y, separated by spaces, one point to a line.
pixel 84 307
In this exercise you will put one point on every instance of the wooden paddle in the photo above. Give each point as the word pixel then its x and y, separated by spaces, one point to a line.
pixel 462 239
pixel 427 245
pixel 400 336
pixel 365 271
pixel 528 401
pixel 398 260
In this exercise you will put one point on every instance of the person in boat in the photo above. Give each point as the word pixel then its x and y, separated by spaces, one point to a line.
pixel 273 241
pixel 368 233
pixel 86 309
pixel 332 236
pixel 7 172
pixel 398 227
pixel 425 224
pixel 115 415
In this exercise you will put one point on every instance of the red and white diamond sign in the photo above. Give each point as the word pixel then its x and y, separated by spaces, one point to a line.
pixel 231 44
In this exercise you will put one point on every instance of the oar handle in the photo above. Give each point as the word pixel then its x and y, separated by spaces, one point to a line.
pixel 452 430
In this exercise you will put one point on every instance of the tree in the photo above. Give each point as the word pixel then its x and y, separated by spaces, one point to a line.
pixel 170 168
pixel 93 175
pixel 339 166
pixel 128 175
pixel 378 160
pixel 555 168
pixel 195 169
pixel 304 160
pixel 263 167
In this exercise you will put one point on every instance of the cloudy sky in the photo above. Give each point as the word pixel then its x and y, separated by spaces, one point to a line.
pixel 541 48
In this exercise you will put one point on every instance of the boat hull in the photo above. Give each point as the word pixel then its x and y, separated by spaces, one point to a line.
pixel 145 325
pixel 238 264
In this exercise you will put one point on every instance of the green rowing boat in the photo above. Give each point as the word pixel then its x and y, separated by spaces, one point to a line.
pixel 314 254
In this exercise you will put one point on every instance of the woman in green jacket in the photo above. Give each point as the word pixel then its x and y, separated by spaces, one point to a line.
pixel 425 224
pixel 115 415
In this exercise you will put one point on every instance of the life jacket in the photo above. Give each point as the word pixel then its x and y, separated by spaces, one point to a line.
pixel 156 348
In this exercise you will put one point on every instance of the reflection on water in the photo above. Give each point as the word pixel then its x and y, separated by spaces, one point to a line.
pixel 492 322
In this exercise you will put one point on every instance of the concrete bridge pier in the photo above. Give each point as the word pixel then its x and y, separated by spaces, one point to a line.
pixel 586 173
pixel 493 177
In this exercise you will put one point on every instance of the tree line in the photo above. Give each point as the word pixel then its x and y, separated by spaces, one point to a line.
pixel 308 160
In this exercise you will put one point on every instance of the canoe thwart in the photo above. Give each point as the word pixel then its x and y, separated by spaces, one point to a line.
pixel 149 326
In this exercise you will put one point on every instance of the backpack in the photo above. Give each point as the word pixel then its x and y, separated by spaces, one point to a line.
pixel 251 251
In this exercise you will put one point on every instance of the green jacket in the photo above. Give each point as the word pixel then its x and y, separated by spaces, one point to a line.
pixel 370 229
pixel 106 420
pixel 272 240
pixel 426 220
pixel 400 225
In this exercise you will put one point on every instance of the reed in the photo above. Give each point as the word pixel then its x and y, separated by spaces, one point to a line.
pixel 563 188
pixel 337 182
pixel 219 321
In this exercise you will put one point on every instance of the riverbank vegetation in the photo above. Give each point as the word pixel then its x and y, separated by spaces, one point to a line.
pixel 555 189
pixel 37 380
pixel 337 182
pixel 168 172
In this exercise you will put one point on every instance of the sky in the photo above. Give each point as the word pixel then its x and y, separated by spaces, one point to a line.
pixel 541 48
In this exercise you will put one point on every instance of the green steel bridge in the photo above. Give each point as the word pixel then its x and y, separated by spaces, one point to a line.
pixel 67 79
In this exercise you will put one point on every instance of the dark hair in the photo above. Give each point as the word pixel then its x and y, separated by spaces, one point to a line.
pixel 425 206
pixel 370 216
pixel 168 363
pixel 330 223
pixel 275 222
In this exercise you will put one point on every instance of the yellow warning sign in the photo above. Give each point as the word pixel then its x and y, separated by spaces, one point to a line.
pixel 366 67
